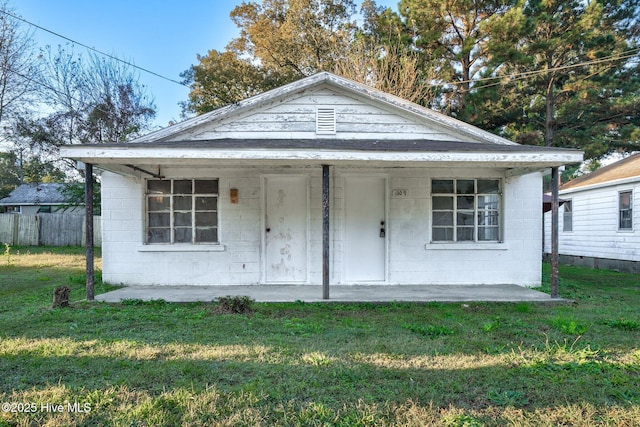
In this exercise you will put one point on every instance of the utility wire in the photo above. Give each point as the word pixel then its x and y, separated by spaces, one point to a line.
pixel 511 78
pixel 93 49
pixel 526 74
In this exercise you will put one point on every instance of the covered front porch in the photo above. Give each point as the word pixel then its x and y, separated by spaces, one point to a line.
pixel 339 293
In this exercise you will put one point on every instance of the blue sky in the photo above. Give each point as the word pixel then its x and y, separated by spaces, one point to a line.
pixel 160 36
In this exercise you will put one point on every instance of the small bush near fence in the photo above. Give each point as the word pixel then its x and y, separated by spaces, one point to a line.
pixel 47 230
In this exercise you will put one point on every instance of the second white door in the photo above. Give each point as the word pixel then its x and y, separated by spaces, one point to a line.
pixel 365 228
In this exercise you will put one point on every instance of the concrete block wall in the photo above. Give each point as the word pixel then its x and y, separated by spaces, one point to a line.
pixel 412 258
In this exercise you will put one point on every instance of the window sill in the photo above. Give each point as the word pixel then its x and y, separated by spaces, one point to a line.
pixel 455 246
pixel 181 248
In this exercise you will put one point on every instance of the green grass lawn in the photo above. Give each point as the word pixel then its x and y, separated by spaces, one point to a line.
pixel 161 364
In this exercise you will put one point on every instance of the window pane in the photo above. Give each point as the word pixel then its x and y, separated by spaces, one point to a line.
pixel 465 218
pixel 159 187
pixel 488 234
pixel 442 218
pixel 159 220
pixel 442 186
pixel 182 219
pixel 182 235
pixel 206 203
pixel 159 235
pixel 488 202
pixel 567 222
pixel 206 219
pixel 206 235
pixel 491 186
pixel 466 202
pixel 625 219
pixel 182 187
pixel 442 234
pixel 625 200
pixel 442 203
pixel 567 206
pixel 172 210
pixel 182 203
pixel 159 203
pixel 465 234
pixel 488 218
pixel 465 186
pixel 207 187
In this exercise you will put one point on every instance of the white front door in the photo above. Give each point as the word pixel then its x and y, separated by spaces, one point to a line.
pixel 365 228
pixel 285 233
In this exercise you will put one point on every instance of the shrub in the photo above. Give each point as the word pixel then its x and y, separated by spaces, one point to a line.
pixel 240 304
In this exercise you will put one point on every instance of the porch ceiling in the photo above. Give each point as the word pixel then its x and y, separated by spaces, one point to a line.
pixel 352 153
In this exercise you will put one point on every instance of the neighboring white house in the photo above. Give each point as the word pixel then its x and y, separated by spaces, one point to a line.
pixel 598 225
pixel 30 199
pixel 238 195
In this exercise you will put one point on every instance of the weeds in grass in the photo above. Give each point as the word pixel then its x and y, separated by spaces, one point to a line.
pixel 235 305
pixel 624 324
pixel 569 326
pixel 7 253
pixel 491 325
pixel 461 420
pixel 428 330
pixel 507 398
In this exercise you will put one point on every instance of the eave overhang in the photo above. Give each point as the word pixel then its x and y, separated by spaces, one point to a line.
pixel 381 153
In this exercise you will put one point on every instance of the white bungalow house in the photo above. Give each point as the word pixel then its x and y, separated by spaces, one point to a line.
pixel 598 225
pixel 322 180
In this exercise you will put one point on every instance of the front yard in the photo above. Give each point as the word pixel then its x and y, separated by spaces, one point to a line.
pixel 150 364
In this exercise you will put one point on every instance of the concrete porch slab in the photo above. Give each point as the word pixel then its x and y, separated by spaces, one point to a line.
pixel 313 293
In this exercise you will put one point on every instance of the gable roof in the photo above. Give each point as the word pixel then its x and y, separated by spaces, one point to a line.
pixel 330 81
pixel 621 170
pixel 35 195
pixel 280 127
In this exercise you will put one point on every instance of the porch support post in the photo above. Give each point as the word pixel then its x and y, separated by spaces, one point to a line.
pixel 88 205
pixel 325 231
pixel 555 200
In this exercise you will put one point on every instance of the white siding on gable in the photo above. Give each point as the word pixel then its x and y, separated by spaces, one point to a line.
pixel 296 119
pixel 596 231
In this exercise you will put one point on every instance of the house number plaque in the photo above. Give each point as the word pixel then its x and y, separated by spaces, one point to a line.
pixel 399 192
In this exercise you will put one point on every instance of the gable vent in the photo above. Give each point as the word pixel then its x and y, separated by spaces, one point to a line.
pixel 326 121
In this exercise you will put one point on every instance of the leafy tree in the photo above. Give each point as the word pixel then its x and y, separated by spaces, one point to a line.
pixel 16 170
pixel 295 37
pixel 280 41
pixel 19 69
pixel 283 40
pixel 95 101
pixel 119 108
pixel 381 56
pixel 223 78
pixel 73 193
pixel 10 176
pixel 453 39
pixel 564 79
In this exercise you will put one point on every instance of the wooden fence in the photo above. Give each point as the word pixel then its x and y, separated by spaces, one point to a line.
pixel 47 230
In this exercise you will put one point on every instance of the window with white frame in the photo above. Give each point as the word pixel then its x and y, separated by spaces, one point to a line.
pixel 567 216
pixel 625 210
pixel 182 211
pixel 465 210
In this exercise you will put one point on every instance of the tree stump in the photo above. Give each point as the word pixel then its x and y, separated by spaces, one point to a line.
pixel 61 297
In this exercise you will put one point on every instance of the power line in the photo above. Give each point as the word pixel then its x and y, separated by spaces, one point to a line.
pixel 526 74
pixel 94 49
